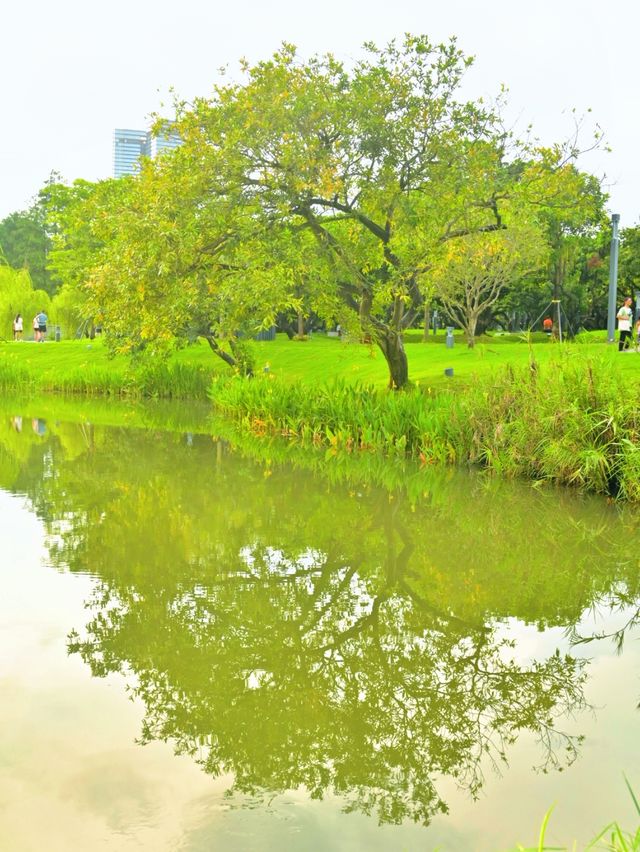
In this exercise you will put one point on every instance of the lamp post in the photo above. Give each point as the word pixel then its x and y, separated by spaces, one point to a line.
pixel 613 279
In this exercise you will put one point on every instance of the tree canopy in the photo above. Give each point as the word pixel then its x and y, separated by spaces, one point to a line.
pixel 314 186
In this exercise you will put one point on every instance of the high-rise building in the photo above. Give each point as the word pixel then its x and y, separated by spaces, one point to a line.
pixel 164 141
pixel 130 145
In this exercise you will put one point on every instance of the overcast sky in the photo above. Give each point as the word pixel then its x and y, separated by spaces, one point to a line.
pixel 73 70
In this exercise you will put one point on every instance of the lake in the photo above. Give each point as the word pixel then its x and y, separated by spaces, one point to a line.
pixel 213 642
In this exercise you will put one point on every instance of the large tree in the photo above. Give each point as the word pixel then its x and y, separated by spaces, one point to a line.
pixel 381 163
pixel 313 186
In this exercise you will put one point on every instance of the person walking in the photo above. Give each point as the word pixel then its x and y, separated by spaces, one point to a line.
pixel 36 329
pixel 42 325
pixel 17 327
pixel 625 318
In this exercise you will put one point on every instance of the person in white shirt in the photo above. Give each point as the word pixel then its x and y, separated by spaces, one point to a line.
pixel 17 327
pixel 625 318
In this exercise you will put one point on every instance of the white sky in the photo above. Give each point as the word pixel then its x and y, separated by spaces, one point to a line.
pixel 73 70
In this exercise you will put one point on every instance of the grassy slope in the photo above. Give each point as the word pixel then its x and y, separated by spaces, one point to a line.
pixel 313 361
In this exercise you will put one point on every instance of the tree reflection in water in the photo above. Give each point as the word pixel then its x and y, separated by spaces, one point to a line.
pixel 340 637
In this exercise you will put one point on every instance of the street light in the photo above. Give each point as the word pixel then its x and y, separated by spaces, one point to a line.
pixel 613 279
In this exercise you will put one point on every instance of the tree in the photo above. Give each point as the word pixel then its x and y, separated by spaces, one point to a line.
pixel 174 269
pixel 81 218
pixel 570 224
pixel 25 239
pixel 566 228
pixel 629 262
pixel 381 164
pixel 17 296
pixel 25 244
pixel 345 157
pixel 308 186
pixel 476 269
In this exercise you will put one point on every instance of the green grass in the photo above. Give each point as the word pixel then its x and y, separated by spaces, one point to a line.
pixel 85 367
pixel 573 419
pixel 321 359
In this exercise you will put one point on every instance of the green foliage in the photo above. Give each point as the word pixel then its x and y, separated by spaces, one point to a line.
pixel 309 187
pixel 68 308
pixel 474 271
pixel 25 244
pixel 573 422
pixel 17 296
pixel 81 219
pixel 629 263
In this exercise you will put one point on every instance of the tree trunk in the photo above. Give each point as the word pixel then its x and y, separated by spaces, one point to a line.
pixel 215 346
pixel 392 347
pixel 470 331
pixel 300 324
pixel 283 324
pixel 366 302
pixel 427 311
pixel 241 356
pixel 389 341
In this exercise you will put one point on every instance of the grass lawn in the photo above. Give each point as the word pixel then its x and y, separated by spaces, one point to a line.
pixel 320 359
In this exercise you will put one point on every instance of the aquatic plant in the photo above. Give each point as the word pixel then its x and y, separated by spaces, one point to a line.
pixel 573 421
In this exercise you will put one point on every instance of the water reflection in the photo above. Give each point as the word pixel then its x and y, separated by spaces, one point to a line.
pixel 336 636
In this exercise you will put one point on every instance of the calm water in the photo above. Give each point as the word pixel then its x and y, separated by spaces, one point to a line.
pixel 212 645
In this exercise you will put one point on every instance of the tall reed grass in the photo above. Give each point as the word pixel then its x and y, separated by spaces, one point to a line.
pixel 157 380
pixel 573 421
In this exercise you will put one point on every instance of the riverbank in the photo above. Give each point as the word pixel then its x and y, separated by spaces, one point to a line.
pixel 574 420
pixel 87 368
pixel 565 415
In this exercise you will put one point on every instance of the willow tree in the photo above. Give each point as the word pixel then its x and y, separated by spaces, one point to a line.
pixel 17 296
